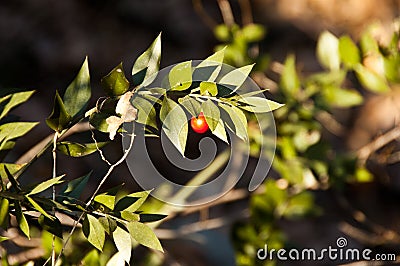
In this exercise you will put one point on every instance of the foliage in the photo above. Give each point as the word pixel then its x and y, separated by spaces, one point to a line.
pixel 188 91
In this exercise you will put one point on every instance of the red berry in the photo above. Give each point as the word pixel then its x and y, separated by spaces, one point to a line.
pixel 199 124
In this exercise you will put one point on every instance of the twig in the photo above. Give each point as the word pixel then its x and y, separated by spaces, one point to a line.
pixel 54 153
pixel 226 12
pixel 199 9
pixel 122 159
pixel 247 16
pixel 330 123
pixel 377 143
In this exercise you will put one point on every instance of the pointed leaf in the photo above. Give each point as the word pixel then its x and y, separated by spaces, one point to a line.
pixel 209 68
pixel 146 113
pixel 220 131
pixel 174 124
pixel 235 120
pixel 78 92
pixel 15 130
pixel 115 82
pixel 15 100
pixel 74 188
pixel 4 213
pixel 147 64
pixel 45 185
pixel 191 105
pixel 22 222
pixel 342 98
pixel 259 105
pixel 106 200
pixel 116 260
pixel 290 82
pixel 208 88
pixel 75 149
pixel 53 226
pixel 99 120
pixel 180 76
pixel 108 224
pixel 349 53
pixel 123 242
pixel 328 51
pixel 237 77
pixel 149 217
pixel 38 207
pixel 211 113
pixel 3 238
pixel 371 80
pixel 144 235
pixel 215 59
pixel 94 232
pixel 59 117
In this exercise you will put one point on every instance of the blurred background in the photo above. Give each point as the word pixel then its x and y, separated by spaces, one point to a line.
pixel 321 186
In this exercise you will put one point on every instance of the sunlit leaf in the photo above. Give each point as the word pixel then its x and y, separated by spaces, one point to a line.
pixel 22 222
pixel 94 232
pixel 116 260
pixel 211 114
pixel 15 130
pixel 180 76
pixel 99 120
pixel 15 100
pixel 132 202
pixel 115 82
pixel 108 224
pixel 344 98
pixel 146 113
pixel 4 212
pixel 59 117
pixel 78 92
pixel 106 200
pixel 91 258
pixel 220 131
pixel 235 120
pixel 209 68
pixel 328 51
pixel 191 105
pixel 290 82
pixel 174 124
pixel 259 105
pixel 349 53
pixel 38 207
pixel 123 242
pixel 75 149
pixel 253 32
pixel 208 88
pixel 236 77
pixel 371 80
pixel 45 185
pixel 144 235
pixel 147 64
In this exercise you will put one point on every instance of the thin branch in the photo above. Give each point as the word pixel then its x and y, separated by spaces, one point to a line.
pixel 247 16
pixel 54 153
pixel 330 123
pixel 122 159
pixel 377 143
pixel 226 12
pixel 199 9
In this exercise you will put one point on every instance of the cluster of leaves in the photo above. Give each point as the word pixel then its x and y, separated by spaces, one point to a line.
pixel 304 161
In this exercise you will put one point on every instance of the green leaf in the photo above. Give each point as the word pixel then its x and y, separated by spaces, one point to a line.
pixel 208 88
pixel 132 202
pixel 342 98
pixel 15 130
pixel 144 235
pixel 368 44
pixel 75 149
pixel 116 260
pixel 59 117
pixel 147 64
pixel 328 51
pixel 253 32
pixel 123 242
pixel 259 105
pixel 180 76
pixel 191 105
pixel 78 92
pixel 371 80
pixel 222 33
pixel 4 213
pixel 45 185
pixel 215 59
pixel 94 232
pixel 39 208
pixel 209 68
pixel 130 216
pixel 211 114
pixel 99 120
pixel 74 188
pixel 108 224
pixel 11 178
pixel 236 78
pixel 15 100
pixel 106 200
pixel 115 82
pixel 290 81
pixel 349 53
pixel 146 112
pixel 3 238
pixel 174 124
pixel 235 120
pixel 21 220
pixel 53 226
pixel 220 131
pixel 91 259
